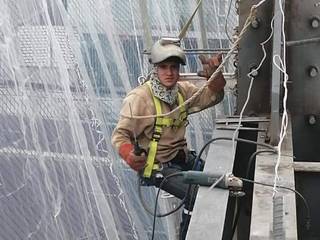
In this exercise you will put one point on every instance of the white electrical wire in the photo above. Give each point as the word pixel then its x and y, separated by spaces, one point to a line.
pixel 284 121
pixel 216 182
pixel 260 3
pixel 251 83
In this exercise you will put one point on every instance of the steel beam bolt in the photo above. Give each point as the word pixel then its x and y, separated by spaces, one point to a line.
pixel 312 120
pixel 253 72
pixel 255 23
pixel 315 22
pixel 313 71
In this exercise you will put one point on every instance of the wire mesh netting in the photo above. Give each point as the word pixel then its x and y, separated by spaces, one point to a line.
pixel 65 66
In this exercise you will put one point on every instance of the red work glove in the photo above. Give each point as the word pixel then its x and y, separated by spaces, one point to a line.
pixel 209 67
pixel 135 162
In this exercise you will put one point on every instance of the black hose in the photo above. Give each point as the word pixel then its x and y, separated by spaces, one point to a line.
pixel 157 197
pixel 148 210
pixel 252 157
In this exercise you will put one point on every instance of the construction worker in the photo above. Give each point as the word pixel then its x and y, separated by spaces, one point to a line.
pixel 163 138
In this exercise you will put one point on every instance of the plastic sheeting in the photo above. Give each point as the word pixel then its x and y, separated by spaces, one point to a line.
pixel 65 66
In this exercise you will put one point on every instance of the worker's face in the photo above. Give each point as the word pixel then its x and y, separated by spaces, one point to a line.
pixel 168 73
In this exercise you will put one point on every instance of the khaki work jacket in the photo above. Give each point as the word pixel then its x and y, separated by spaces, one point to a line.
pixel 140 102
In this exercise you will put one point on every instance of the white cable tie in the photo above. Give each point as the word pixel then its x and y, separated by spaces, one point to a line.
pixel 186 211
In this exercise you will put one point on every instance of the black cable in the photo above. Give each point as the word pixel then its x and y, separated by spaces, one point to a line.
pixel 157 197
pixel 272 149
pixel 226 138
pixel 253 155
pixel 193 167
pixel 148 210
pixel 185 223
pixel 235 139
pixel 308 218
pixel 236 218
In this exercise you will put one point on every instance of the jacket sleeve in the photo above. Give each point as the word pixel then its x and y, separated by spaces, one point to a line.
pixel 133 105
pixel 206 99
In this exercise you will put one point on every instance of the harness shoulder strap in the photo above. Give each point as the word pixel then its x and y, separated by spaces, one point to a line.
pixel 159 124
pixel 153 145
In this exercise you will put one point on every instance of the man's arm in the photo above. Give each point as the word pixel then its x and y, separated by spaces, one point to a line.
pixel 210 65
pixel 211 95
pixel 127 127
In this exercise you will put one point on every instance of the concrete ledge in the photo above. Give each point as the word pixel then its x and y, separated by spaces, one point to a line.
pixel 262 217
pixel 207 221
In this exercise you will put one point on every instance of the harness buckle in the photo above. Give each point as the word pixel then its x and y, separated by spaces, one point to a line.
pixel 156 136
pixel 157 167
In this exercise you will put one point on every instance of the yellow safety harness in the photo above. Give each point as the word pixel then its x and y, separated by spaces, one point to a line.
pixel 159 124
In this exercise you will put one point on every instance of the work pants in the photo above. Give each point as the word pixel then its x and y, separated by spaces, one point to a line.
pixel 176 186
